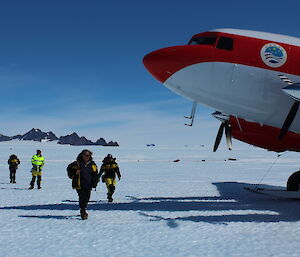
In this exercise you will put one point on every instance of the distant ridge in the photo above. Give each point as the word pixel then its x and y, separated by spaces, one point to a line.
pixel 72 139
pixel 4 138
pixel 111 143
pixel 38 135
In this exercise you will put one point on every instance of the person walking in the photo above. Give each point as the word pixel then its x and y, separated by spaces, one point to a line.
pixel 84 175
pixel 110 169
pixel 13 163
pixel 38 162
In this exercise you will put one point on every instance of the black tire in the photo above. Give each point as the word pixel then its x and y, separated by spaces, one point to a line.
pixel 293 182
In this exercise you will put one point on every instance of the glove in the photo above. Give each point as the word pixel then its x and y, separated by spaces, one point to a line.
pixel 119 177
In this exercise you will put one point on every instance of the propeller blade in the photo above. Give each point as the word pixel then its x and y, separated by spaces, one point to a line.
pixel 289 120
pixel 228 135
pixel 219 136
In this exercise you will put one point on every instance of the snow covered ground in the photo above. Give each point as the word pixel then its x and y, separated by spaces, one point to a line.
pixel 162 208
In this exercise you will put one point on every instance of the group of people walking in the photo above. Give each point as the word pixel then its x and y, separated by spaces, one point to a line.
pixel 83 172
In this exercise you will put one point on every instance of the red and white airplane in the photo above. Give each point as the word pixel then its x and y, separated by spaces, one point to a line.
pixel 251 79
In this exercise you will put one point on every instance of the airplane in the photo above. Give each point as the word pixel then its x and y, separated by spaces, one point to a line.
pixel 250 78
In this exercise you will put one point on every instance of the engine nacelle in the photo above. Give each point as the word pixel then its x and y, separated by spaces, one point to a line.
pixel 263 136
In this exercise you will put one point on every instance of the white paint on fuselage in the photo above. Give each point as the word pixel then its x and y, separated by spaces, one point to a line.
pixel 247 92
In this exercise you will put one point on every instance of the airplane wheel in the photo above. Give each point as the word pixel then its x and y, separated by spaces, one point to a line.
pixel 293 182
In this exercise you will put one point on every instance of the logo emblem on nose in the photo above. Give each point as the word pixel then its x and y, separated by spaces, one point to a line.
pixel 273 55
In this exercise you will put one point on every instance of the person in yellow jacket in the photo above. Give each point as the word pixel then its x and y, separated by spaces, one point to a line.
pixel 38 162
pixel 110 169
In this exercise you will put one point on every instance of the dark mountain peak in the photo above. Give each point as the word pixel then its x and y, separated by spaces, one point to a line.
pixel 4 138
pixel 101 141
pixel 74 139
pixel 111 143
pixel 38 135
pixel 35 130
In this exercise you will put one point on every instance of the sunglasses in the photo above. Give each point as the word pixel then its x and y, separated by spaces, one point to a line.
pixel 87 155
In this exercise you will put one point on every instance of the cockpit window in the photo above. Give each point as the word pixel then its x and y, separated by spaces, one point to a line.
pixel 225 43
pixel 203 41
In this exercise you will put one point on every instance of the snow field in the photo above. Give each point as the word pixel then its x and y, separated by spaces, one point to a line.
pixel 161 208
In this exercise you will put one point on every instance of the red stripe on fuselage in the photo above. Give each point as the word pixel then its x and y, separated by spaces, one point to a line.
pixel 246 51
pixel 165 62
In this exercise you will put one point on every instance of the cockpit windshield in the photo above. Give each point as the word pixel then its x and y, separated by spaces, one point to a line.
pixel 203 41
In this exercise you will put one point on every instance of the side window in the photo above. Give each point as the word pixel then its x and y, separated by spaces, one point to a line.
pixel 203 41
pixel 225 43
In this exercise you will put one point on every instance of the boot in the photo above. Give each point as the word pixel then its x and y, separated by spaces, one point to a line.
pixel 109 197
pixel 84 215
pixel 110 193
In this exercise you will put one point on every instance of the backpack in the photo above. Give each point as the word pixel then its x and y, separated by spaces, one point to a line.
pixel 71 169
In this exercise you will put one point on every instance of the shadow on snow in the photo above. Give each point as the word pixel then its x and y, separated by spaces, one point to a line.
pixel 233 198
pixel 58 217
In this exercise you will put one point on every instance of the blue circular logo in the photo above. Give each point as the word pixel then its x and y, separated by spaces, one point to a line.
pixel 273 55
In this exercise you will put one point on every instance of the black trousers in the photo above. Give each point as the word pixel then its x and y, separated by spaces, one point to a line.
pixel 12 175
pixel 39 179
pixel 84 197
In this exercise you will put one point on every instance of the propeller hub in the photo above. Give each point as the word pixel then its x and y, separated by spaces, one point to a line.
pixel 221 116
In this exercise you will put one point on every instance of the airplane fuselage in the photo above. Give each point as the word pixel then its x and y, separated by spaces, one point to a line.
pixel 235 72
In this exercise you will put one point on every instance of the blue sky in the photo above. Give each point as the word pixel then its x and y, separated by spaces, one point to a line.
pixel 77 65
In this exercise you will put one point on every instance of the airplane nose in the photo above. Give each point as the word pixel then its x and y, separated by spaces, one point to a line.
pixel 164 62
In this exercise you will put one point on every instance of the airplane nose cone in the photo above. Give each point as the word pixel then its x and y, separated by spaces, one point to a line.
pixel 165 62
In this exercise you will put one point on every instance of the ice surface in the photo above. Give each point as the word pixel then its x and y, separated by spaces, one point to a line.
pixel 162 208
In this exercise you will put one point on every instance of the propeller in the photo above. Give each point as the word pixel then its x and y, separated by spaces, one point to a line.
pixel 224 125
pixel 289 120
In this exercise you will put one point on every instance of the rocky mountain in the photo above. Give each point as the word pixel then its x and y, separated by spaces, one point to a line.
pixel 4 138
pixel 38 135
pixel 111 143
pixel 33 134
pixel 100 141
pixel 73 139
pixel 16 137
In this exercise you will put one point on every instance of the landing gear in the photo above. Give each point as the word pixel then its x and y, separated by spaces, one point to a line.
pixel 293 183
